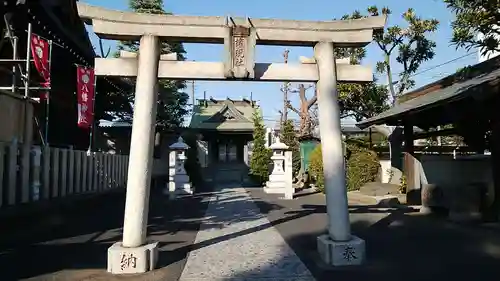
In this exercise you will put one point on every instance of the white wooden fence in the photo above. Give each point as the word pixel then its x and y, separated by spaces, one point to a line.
pixel 50 173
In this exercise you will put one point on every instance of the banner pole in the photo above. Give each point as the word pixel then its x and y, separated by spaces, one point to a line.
pixel 28 58
pixel 92 124
pixel 47 100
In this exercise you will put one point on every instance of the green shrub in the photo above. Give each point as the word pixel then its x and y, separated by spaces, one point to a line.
pixel 260 160
pixel 362 166
pixel 316 168
pixel 289 137
pixel 192 164
pixel 403 185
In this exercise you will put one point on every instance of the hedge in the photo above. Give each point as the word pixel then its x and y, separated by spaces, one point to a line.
pixel 362 166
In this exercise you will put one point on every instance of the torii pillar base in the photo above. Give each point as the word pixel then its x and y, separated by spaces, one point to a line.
pixel 123 260
pixel 341 253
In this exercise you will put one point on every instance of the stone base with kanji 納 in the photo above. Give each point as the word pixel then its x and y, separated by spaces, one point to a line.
pixel 122 260
pixel 341 253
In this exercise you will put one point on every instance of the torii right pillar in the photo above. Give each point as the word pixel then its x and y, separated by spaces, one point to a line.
pixel 338 247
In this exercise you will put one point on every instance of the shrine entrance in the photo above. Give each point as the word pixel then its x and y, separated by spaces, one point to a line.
pixel 228 152
pixel 228 162
pixel 239 37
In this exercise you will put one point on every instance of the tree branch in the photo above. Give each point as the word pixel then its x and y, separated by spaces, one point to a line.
pixel 302 93
pixel 313 100
pixel 396 43
pixel 382 47
pixel 290 106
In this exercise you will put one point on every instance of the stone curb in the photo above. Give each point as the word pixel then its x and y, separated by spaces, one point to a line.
pixel 385 201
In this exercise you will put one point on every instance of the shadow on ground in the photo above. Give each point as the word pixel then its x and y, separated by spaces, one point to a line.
pixel 71 243
pixel 402 245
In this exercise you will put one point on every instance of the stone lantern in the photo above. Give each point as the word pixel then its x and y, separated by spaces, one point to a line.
pixel 179 183
pixel 277 180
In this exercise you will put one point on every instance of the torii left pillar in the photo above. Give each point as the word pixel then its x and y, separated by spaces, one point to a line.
pixel 134 254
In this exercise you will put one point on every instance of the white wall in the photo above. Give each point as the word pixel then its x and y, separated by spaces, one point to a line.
pixel 385 166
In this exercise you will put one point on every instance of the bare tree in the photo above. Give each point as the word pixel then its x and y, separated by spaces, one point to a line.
pixel 305 106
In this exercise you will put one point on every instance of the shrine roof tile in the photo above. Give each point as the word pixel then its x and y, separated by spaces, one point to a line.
pixel 204 115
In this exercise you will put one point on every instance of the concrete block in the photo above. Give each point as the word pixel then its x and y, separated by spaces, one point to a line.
pixel 341 253
pixel 122 260
pixel 184 189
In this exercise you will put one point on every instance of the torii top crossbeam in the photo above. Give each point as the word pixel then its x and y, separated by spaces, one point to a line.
pixel 119 25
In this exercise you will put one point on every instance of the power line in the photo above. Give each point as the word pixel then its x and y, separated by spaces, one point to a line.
pixel 439 65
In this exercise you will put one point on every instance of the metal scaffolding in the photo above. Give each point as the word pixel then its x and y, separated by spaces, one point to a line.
pixel 21 83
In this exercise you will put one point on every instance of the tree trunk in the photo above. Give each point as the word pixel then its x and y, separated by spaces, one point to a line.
pixel 389 79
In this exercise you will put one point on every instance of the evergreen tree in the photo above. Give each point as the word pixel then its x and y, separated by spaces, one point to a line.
pixel 289 137
pixel 172 100
pixel 259 162
pixel 476 24
pixel 192 164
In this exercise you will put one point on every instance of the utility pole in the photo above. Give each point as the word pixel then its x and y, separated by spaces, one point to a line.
pixel 284 114
pixel 192 96
pixel 192 92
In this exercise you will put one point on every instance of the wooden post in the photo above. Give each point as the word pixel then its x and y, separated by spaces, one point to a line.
pixel 412 177
pixel 2 157
pixel 35 171
pixel 494 211
pixel 109 173
pixel 46 172
pixel 64 172
pixel 100 169
pixel 85 166
pixel 90 172
pixel 120 170
pixel 12 172
pixel 71 171
pixel 55 172
pixel 78 171
pixel 95 173
pixel 115 170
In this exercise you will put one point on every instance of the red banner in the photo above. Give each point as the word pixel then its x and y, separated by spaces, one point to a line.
pixel 40 52
pixel 85 96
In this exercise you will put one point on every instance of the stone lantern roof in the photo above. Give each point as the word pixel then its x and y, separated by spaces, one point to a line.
pixel 179 145
pixel 278 145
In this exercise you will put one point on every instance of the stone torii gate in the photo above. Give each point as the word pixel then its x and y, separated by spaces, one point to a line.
pixel 240 36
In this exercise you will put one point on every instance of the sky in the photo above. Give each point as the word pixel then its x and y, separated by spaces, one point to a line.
pixel 269 94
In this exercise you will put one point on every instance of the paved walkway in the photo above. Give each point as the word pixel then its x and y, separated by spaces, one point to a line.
pixel 239 243
pixel 237 234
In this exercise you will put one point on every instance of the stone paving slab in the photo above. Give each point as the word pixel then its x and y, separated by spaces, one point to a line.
pixel 244 247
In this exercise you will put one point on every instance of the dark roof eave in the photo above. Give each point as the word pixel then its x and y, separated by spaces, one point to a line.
pixel 395 119
pixel 85 47
pixel 221 130
pixel 455 92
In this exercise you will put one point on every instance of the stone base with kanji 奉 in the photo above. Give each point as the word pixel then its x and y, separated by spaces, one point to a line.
pixel 341 253
pixel 122 260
